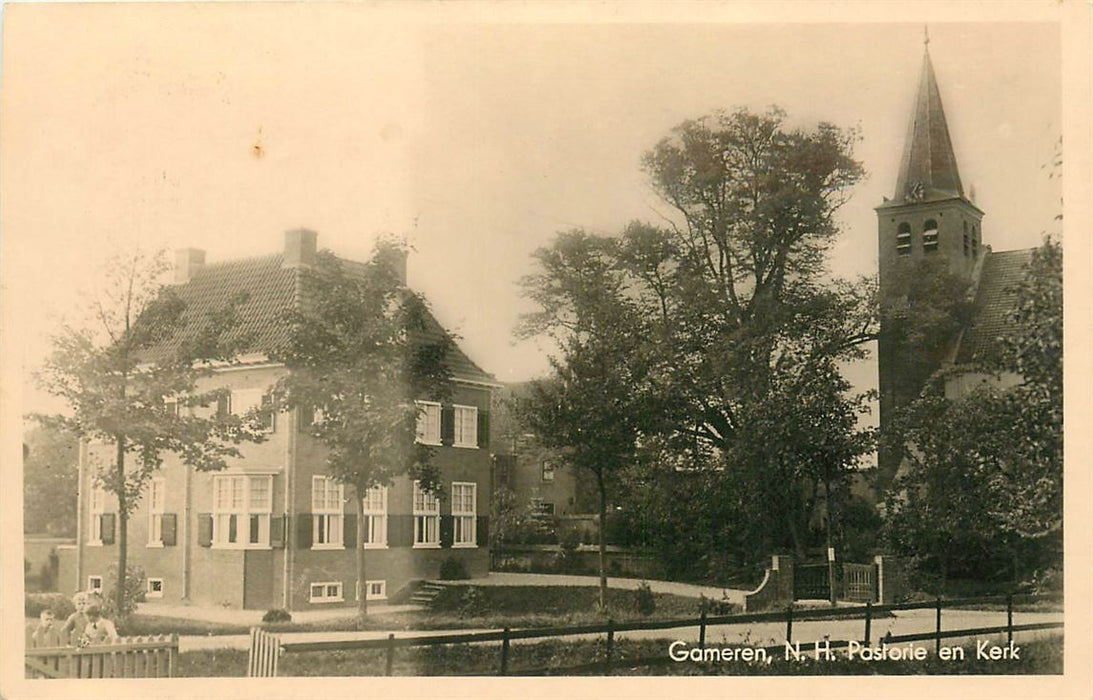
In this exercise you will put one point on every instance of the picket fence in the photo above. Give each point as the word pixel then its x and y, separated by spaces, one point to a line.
pixel 128 657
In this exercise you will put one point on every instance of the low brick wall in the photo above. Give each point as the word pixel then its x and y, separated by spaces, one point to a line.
pixel 776 590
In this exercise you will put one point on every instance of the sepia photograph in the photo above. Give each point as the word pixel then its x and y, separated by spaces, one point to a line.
pixel 387 341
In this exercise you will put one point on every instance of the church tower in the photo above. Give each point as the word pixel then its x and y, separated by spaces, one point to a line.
pixel 928 220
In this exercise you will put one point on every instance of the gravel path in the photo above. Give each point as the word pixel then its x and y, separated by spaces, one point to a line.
pixel 759 634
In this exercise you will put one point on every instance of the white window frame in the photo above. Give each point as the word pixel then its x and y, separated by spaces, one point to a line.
pixel 243 401
pixel 375 518
pixel 465 432
pixel 242 509
pixel 548 471
pixel 327 513
pixel 426 519
pixel 381 595
pixel 94 583
pixel 96 507
pixel 428 422
pixel 150 593
pixel 327 596
pixel 464 514
pixel 157 499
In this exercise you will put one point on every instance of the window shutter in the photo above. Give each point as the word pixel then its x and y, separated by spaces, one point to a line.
pixel 107 523
pixel 223 405
pixel 205 530
pixel 304 525
pixel 400 530
pixel 305 417
pixel 168 527
pixel 349 531
pixel 482 528
pixel 277 531
pixel 447 529
pixel 447 425
pixel 483 428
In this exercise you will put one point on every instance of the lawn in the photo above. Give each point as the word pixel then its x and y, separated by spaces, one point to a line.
pixel 462 607
pixel 1043 656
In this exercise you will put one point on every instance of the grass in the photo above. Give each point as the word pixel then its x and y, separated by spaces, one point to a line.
pixel 457 607
pixel 1041 656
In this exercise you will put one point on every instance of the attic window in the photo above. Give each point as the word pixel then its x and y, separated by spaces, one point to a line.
pixel 903 239
pixel 929 236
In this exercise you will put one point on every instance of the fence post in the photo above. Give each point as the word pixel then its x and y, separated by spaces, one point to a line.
pixel 868 620
pixel 610 646
pixel 702 631
pixel 390 653
pixel 937 633
pixel 505 652
pixel 1009 618
pixel 789 624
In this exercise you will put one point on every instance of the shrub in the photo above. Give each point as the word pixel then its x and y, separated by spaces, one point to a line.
pixel 134 593
pixel 452 569
pixel 45 578
pixel 644 600
pixel 277 615
pixel 61 606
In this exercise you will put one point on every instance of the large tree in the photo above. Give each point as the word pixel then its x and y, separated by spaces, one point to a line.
pixel 594 407
pixel 129 389
pixel 741 326
pixel 50 482
pixel 363 351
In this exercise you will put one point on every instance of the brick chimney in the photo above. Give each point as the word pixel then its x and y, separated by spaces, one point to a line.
pixel 300 246
pixel 187 262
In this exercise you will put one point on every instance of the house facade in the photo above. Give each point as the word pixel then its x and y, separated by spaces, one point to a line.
pixel 272 530
pixel 931 219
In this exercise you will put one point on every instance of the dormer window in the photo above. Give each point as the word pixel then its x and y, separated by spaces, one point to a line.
pixel 903 239
pixel 929 236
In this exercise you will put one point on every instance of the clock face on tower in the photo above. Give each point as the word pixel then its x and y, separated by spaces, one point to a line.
pixel 916 191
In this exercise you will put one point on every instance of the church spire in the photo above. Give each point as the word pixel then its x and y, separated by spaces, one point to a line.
pixel 928 169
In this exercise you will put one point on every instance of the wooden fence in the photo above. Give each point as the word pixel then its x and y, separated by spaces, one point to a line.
pixel 129 657
pixel 865 613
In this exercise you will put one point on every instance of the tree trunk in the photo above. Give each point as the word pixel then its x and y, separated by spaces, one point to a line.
pixel 362 588
pixel 123 529
pixel 603 541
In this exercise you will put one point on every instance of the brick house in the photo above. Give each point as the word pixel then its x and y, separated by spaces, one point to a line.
pixel 271 530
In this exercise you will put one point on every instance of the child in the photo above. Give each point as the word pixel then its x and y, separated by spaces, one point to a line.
pixel 99 630
pixel 72 630
pixel 47 633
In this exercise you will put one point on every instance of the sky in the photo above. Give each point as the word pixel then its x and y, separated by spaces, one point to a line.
pixel 477 135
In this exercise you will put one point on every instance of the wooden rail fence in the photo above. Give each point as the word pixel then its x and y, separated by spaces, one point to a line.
pixel 129 657
pixel 505 637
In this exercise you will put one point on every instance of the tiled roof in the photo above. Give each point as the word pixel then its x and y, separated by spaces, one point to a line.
pixel 995 302
pixel 263 290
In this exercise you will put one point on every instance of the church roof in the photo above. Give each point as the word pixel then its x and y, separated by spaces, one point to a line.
pixel 928 169
pixel 995 302
pixel 261 290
